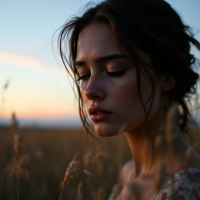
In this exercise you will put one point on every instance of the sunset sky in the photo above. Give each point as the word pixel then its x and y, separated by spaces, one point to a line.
pixel 38 84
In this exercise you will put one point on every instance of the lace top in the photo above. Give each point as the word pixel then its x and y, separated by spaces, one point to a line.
pixel 187 187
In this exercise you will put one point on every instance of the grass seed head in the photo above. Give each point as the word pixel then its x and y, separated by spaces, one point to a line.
pixel 19 167
pixel 99 155
pixel 88 159
pixel 88 173
pixel 71 171
pixel 100 194
pixel 80 191
pixel 17 143
pixel 97 159
pixel 14 123
pixel 23 166
pixel 10 170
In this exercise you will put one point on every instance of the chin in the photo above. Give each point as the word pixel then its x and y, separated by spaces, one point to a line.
pixel 105 131
pixel 105 134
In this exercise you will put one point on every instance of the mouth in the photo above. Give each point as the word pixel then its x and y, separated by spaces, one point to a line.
pixel 97 113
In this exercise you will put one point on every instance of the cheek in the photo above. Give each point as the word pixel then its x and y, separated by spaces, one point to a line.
pixel 126 98
pixel 124 91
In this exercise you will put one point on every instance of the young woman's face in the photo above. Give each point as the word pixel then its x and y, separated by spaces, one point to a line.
pixel 109 85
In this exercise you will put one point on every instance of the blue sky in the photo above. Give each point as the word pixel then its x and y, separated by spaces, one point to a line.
pixel 39 87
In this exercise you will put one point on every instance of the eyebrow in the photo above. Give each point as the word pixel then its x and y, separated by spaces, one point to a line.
pixel 104 59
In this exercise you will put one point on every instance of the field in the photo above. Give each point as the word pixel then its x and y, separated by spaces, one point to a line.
pixel 45 155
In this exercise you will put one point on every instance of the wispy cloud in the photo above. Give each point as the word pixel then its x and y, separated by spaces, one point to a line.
pixel 20 60
pixel 27 62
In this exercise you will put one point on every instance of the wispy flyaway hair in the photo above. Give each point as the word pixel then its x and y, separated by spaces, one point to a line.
pixel 148 25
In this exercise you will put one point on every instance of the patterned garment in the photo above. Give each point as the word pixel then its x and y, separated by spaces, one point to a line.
pixel 186 187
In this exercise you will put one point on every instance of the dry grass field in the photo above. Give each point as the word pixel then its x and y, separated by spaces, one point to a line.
pixel 45 155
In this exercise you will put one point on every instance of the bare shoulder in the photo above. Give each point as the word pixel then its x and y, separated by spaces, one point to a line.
pixel 125 171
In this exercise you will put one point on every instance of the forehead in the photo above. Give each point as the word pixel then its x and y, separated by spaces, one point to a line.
pixel 96 40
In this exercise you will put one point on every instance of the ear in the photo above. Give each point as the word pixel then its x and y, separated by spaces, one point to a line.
pixel 168 84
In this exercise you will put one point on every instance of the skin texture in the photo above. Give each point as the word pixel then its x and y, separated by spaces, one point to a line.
pixel 119 95
pixel 116 94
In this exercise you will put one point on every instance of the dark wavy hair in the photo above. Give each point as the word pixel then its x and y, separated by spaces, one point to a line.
pixel 151 26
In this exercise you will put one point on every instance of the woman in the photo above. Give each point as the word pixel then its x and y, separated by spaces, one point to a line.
pixel 130 61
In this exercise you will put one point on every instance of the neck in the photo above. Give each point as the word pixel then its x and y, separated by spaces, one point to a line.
pixel 147 155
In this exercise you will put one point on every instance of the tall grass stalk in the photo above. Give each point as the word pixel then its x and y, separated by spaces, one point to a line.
pixel 17 149
pixel 71 171
pixel 80 191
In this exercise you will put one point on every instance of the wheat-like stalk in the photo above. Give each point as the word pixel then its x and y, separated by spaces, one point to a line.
pixel 88 158
pixel 23 166
pixel 99 155
pixel 17 149
pixel 100 195
pixel 17 143
pixel 80 191
pixel 14 123
pixel 88 173
pixel 70 172
pixel 96 158
pixel 17 140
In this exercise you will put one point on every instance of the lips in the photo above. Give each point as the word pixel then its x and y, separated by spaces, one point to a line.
pixel 98 113
pixel 97 110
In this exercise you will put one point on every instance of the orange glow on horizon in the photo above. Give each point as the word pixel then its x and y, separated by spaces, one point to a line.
pixel 43 115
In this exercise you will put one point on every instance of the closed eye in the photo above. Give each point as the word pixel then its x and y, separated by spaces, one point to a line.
pixel 83 77
pixel 119 73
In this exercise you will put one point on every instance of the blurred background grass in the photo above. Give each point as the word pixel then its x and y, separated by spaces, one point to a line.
pixel 49 152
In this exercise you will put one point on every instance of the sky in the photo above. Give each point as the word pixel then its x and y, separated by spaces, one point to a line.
pixel 39 87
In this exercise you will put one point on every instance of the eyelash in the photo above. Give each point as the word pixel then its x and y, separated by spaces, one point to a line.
pixel 114 74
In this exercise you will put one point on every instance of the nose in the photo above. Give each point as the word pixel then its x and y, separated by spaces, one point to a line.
pixel 95 88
